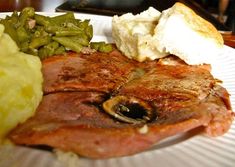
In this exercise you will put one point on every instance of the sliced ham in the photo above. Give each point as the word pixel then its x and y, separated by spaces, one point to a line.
pixel 72 117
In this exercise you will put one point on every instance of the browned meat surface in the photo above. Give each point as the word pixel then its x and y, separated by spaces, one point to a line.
pixel 167 81
pixel 180 98
pixel 179 91
pixel 82 72
pixel 70 122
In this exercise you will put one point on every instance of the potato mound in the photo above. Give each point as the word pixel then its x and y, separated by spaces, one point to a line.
pixel 20 84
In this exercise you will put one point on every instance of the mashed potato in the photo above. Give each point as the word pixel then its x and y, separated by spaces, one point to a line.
pixel 20 86
pixel 134 35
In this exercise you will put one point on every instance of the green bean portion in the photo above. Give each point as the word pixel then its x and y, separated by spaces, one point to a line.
pixel 10 29
pixel 101 46
pixel 42 20
pixel 22 34
pixel 39 41
pixel 26 13
pixel 45 36
pixel 69 43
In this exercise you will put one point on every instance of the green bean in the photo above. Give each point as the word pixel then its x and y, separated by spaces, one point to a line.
pixel 50 49
pixel 22 34
pixel 39 41
pixel 101 46
pixel 43 53
pixel 50 35
pixel 42 20
pixel 26 13
pixel 106 48
pixel 84 24
pixel 52 29
pixel 52 46
pixel 38 31
pixel 29 11
pixel 61 18
pixel 81 39
pixel 8 18
pixel 32 51
pixel 71 23
pixel 15 19
pixel 9 29
pixel 89 32
pixel 63 30
pixel 60 50
pixel 69 43
pixel 63 33
pixel 95 45
pixel 24 46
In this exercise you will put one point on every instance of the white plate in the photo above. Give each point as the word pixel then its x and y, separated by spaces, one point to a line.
pixel 178 151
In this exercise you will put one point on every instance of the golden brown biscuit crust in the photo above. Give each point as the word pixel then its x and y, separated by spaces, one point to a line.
pixel 197 23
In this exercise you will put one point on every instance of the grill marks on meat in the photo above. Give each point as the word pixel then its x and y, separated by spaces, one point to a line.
pixel 70 116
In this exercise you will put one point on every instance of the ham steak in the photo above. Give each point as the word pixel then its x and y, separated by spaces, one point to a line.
pixel 96 72
pixel 105 105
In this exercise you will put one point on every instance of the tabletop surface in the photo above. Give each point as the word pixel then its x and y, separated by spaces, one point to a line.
pixel 50 6
pixel 38 5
